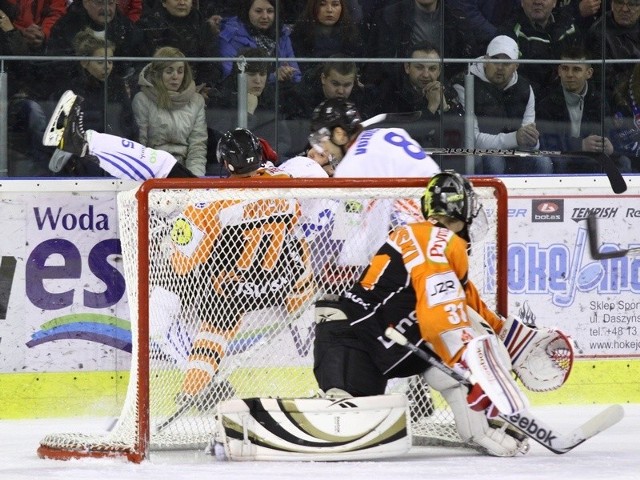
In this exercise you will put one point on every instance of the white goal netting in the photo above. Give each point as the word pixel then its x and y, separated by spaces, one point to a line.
pixel 222 277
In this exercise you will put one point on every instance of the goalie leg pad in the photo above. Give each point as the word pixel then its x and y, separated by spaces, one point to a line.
pixel 318 429
pixel 472 426
pixel 490 367
pixel 542 358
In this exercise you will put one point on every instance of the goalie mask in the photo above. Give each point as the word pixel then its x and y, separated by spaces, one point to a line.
pixel 451 195
pixel 240 150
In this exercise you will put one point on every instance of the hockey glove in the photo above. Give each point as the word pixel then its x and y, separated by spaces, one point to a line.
pixel 541 357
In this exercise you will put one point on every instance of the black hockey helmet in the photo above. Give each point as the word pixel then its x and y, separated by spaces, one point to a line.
pixel 336 112
pixel 241 150
pixel 450 194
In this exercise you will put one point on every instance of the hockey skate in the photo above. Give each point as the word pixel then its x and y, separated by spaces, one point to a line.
pixel 66 126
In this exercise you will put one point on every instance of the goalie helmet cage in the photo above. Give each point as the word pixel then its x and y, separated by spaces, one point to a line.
pixel 338 224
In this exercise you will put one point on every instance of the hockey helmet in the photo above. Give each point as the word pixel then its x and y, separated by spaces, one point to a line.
pixel 336 112
pixel 241 150
pixel 450 194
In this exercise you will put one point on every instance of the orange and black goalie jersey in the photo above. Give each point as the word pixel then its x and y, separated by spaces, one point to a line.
pixel 249 251
pixel 418 282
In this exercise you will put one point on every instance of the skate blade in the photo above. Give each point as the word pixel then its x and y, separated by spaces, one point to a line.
pixel 53 133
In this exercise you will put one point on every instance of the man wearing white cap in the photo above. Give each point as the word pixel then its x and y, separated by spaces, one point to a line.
pixel 504 106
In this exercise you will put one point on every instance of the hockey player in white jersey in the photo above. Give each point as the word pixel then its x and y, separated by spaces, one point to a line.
pixel 314 164
pixel 338 133
pixel 119 157
pixel 337 130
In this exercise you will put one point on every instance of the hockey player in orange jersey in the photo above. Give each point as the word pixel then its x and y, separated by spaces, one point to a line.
pixel 418 282
pixel 248 250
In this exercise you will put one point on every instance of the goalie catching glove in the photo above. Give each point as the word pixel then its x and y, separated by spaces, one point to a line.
pixel 541 357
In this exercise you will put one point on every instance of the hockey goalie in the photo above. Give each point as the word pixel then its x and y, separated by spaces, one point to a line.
pixel 418 282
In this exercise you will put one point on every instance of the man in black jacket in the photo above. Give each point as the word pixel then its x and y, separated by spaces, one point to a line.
pixel 404 23
pixel 621 28
pixel 419 86
pixel 331 79
pixel 570 117
pixel 541 33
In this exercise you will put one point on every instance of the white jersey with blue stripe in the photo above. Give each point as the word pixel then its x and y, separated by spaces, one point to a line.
pixel 386 152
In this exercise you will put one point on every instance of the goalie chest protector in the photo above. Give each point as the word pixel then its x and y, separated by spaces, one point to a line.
pixel 315 429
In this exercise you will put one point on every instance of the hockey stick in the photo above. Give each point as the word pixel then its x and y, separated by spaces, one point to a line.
pixel 618 184
pixel 176 415
pixel 194 401
pixel 596 254
pixel 532 427
pixel 396 117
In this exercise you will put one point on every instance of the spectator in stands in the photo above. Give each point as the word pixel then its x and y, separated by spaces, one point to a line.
pixel 331 79
pixel 35 20
pixel 621 40
pixel 12 42
pixel 261 105
pixel 584 12
pixel 103 17
pixel 26 120
pixel 504 106
pixel 419 86
pixel 132 9
pixel 289 10
pixel 542 34
pixel 255 27
pixel 569 117
pixel 175 23
pixel 626 123
pixel 95 82
pixel 484 17
pixel 170 112
pixel 404 23
pixel 325 29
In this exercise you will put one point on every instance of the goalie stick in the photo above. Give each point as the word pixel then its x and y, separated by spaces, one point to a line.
pixel 618 184
pixel 397 117
pixel 596 254
pixel 524 421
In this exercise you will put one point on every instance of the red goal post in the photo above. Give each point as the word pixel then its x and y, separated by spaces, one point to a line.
pixel 270 353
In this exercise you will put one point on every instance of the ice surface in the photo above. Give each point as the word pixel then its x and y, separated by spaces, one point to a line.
pixel 613 454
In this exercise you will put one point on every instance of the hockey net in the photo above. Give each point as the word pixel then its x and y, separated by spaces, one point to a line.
pixel 268 316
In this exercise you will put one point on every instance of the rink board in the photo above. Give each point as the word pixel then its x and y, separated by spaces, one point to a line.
pixel 63 355
pixel 102 393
